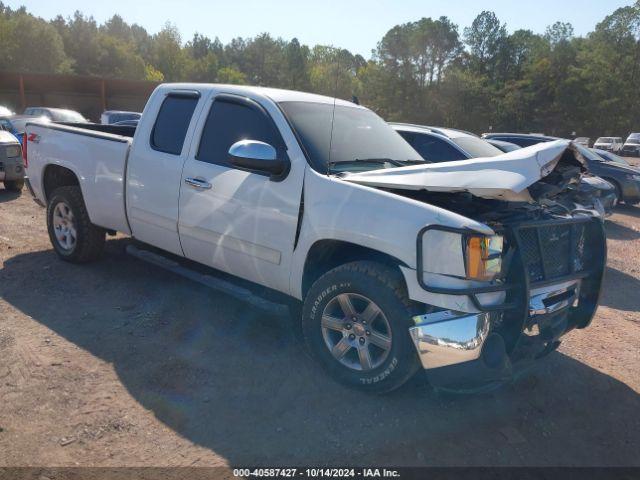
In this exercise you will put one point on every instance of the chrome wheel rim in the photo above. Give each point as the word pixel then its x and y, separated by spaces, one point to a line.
pixel 356 331
pixel 64 226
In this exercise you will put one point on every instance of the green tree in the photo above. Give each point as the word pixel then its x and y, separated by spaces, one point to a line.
pixel 29 44
pixel 297 69
pixel 168 55
pixel 486 39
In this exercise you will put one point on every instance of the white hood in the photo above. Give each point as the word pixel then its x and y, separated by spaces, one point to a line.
pixel 505 177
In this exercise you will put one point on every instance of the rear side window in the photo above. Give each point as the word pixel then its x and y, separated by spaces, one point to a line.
pixel 172 123
pixel 433 149
pixel 523 142
pixel 229 122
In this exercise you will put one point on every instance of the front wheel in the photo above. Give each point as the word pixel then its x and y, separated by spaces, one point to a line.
pixel 73 236
pixel 356 321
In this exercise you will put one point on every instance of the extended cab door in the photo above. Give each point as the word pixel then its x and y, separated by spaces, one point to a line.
pixel 155 168
pixel 240 221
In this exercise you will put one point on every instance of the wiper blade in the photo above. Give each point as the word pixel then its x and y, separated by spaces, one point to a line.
pixel 397 163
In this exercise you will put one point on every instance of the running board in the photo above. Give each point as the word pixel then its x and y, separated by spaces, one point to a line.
pixel 218 284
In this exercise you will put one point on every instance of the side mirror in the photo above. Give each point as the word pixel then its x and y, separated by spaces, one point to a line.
pixel 259 157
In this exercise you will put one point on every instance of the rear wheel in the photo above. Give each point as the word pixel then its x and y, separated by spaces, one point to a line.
pixel 73 236
pixel 14 185
pixel 356 321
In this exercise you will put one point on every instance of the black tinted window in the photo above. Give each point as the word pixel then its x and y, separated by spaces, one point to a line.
pixel 229 123
pixel 172 124
pixel 433 149
pixel 523 142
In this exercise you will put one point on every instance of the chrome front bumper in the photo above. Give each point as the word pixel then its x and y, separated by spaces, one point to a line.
pixel 448 338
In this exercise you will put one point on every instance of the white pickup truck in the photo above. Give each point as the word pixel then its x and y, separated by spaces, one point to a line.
pixel 467 269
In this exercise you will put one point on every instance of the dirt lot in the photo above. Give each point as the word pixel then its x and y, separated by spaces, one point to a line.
pixel 120 363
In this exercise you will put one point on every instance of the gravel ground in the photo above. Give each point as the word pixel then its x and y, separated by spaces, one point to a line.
pixel 119 363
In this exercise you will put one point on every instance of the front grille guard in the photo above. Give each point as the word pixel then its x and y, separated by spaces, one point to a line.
pixel 519 288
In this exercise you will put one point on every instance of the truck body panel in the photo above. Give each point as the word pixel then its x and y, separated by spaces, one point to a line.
pixel 97 159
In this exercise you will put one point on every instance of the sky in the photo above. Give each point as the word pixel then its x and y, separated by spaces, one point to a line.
pixel 353 24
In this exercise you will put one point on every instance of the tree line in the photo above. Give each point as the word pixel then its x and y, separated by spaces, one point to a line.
pixel 428 72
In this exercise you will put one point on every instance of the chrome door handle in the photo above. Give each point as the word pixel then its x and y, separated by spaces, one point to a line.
pixel 198 183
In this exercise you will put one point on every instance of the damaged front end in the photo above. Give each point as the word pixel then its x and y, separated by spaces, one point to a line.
pixel 518 290
pixel 549 284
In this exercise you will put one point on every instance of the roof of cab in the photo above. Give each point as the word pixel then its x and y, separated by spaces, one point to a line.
pixel 275 94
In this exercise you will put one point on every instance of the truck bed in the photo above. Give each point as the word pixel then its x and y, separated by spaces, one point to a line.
pixel 122 130
pixel 96 154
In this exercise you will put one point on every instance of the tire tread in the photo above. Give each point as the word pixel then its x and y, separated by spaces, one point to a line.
pixel 91 237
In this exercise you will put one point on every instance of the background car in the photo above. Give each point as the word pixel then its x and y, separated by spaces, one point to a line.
pixel 436 144
pixel 56 114
pixel 5 112
pixel 522 139
pixel 612 157
pixel 631 147
pixel 11 166
pixel 429 143
pixel 584 141
pixel 110 117
pixel 616 171
pixel 613 144
pixel 15 124
pixel 504 146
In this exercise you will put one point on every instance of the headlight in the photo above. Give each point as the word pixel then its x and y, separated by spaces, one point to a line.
pixel 471 256
pixel 483 256
pixel 13 151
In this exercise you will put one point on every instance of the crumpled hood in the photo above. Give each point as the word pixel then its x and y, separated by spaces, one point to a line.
pixel 504 177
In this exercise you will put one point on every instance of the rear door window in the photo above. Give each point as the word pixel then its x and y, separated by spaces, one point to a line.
pixel 172 123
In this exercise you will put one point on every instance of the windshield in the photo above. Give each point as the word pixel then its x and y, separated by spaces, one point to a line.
pixel 359 136
pixel 612 157
pixel 476 147
pixel 588 154
pixel 604 140
pixel 67 116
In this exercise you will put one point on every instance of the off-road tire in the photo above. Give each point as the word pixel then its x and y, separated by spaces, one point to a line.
pixel 14 185
pixel 90 238
pixel 385 286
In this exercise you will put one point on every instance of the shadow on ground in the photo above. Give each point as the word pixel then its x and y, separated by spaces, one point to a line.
pixel 619 231
pixel 624 298
pixel 234 380
pixel 8 196
pixel 625 209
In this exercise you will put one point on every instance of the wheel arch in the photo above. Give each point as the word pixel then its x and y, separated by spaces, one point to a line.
pixel 327 254
pixel 616 184
pixel 55 176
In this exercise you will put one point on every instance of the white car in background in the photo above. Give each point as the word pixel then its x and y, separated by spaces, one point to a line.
pixel 56 114
pixel 610 144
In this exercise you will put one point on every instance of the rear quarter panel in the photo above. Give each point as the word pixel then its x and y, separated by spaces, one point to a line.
pixel 98 161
